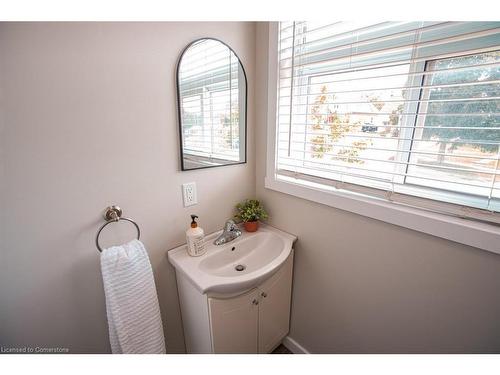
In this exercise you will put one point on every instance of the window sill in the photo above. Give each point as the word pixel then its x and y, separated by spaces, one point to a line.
pixel 477 234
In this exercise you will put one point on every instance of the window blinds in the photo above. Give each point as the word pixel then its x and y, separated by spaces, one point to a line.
pixel 395 110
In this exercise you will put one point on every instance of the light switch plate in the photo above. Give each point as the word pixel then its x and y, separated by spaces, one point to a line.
pixel 189 194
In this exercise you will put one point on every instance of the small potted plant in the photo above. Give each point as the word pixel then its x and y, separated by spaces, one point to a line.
pixel 250 212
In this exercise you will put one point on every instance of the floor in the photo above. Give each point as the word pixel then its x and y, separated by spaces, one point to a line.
pixel 282 349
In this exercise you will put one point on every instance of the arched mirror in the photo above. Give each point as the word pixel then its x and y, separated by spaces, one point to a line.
pixel 212 99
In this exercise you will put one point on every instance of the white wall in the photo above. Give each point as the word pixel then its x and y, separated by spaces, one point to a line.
pixel 364 286
pixel 88 119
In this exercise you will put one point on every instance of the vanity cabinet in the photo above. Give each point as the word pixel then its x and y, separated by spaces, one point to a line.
pixel 274 308
pixel 235 323
pixel 253 322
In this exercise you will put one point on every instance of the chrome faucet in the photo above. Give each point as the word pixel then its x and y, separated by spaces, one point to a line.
pixel 230 232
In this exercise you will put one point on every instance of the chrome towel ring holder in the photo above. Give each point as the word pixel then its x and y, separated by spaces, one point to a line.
pixel 113 214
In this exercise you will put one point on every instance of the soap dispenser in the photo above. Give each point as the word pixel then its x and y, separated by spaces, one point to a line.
pixel 195 239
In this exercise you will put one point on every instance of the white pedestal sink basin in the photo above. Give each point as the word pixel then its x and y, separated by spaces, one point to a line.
pixel 236 266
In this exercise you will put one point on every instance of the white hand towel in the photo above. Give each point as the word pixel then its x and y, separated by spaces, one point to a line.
pixel 131 302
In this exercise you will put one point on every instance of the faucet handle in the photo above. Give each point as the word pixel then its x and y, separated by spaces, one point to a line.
pixel 230 225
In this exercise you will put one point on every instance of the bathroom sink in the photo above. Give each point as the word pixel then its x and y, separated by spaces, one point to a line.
pixel 238 265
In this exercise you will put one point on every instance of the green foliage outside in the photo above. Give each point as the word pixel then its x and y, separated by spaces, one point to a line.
pixel 485 112
pixel 328 128
pixel 230 127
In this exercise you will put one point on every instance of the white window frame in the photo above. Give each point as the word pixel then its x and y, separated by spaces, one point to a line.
pixel 474 233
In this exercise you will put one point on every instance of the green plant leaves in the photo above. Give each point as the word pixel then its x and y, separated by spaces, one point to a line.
pixel 250 210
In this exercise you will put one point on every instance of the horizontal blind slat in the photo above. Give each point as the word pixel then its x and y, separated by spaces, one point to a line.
pixel 464 84
pixel 408 46
pixel 445 140
pixel 426 127
pixel 400 151
pixel 377 67
pixel 320 167
pixel 408 101
pixel 342 157
pixel 454 114
pixel 380 63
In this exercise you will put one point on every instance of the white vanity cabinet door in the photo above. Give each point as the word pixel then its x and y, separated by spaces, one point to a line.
pixel 274 307
pixel 234 323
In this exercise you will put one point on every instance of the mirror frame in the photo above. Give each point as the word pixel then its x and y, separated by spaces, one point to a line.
pixel 179 114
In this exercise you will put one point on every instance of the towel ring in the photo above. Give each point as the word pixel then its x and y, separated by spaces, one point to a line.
pixel 113 214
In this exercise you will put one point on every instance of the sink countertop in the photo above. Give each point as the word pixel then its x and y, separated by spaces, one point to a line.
pixel 213 271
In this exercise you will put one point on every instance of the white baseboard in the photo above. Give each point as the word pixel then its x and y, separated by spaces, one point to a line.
pixel 294 346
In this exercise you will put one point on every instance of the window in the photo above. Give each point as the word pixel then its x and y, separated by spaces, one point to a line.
pixel 401 111
pixel 457 134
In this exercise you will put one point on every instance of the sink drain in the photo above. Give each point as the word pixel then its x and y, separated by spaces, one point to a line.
pixel 240 267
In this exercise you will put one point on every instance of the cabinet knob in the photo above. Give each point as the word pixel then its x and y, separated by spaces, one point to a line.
pixel 255 302
pixel 264 294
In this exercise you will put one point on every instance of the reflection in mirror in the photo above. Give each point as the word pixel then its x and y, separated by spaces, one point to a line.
pixel 211 90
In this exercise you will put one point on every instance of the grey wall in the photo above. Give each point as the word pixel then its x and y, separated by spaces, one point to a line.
pixel 364 286
pixel 88 119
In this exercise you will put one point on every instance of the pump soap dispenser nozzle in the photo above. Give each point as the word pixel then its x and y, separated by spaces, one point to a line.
pixel 194 224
